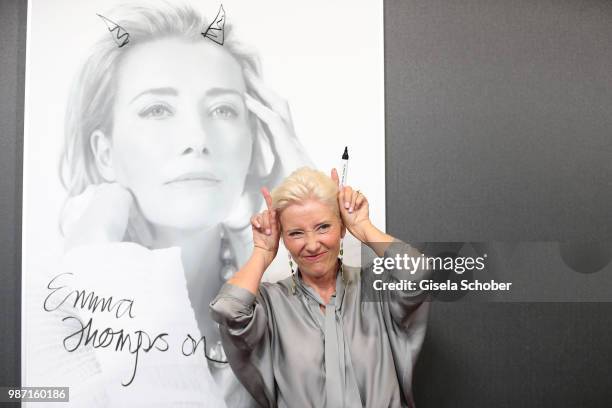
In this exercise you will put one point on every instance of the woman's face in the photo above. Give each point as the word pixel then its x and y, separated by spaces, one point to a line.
pixel 311 233
pixel 181 140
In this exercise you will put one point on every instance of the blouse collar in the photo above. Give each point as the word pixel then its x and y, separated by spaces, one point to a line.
pixel 337 297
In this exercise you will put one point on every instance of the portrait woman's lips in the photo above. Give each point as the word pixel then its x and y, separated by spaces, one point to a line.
pixel 195 179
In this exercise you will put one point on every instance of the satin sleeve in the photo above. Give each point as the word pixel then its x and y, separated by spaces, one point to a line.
pixel 244 318
pixel 244 325
pixel 401 304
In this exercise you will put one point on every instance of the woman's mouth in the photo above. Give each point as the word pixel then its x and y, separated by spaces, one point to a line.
pixel 314 258
pixel 195 179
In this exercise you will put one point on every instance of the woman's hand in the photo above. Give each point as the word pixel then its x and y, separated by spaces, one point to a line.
pixel 275 114
pixel 355 213
pixel 266 235
pixel 354 210
pixel 109 211
pixel 266 231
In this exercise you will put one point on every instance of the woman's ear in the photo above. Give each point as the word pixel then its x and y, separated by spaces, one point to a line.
pixel 102 148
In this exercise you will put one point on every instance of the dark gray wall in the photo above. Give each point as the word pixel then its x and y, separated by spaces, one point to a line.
pixel 498 128
pixel 499 119
pixel 12 71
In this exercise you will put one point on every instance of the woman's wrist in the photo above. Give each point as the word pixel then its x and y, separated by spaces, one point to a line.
pixel 263 256
pixel 249 276
pixel 364 231
pixel 377 240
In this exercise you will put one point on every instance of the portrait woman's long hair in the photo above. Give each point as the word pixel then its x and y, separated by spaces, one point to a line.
pixel 92 97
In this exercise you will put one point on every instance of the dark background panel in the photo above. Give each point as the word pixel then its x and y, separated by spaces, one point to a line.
pixel 499 123
pixel 12 73
pixel 508 355
pixel 499 128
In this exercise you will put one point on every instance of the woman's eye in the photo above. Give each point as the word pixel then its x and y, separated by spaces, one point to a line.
pixel 323 228
pixel 224 112
pixel 156 112
pixel 295 234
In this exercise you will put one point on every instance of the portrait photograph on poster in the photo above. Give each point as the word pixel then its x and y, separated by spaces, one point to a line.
pixel 144 160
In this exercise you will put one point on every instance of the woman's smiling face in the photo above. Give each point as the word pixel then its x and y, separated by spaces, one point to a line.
pixel 311 233
pixel 181 138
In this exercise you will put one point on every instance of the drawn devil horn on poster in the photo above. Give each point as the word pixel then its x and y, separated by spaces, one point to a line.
pixel 215 29
pixel 120 36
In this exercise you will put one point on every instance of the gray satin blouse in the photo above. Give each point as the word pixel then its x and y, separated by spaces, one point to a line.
pixel 288 353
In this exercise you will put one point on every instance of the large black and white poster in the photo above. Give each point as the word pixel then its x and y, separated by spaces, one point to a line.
pixel 149 129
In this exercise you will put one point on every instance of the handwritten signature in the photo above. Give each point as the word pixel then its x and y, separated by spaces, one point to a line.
pixel 82 299
pixel 108 337
pixel 63 297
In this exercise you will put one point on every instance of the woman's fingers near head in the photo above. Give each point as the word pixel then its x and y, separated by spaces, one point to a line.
pixel 108 214
pixel 265 222
pixel 354 196
pixel 341 199
pixel 334 176
pixel 347 197
pixel 255 221
pixel 272 222
pixel 361 199
pixel 267 95
pixel 267 197
pixel 273 219
pixel 268 116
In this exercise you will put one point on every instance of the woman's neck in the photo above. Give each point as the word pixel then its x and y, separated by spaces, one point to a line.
pixel 325 285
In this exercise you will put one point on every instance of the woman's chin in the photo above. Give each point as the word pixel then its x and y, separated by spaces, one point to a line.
pixel 315 271
pixel 189 219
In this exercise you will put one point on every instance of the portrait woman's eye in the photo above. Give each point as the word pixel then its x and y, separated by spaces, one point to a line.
pixel 224 112
pixel 156 111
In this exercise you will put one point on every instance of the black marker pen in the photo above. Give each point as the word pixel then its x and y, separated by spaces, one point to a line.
pixel 345 159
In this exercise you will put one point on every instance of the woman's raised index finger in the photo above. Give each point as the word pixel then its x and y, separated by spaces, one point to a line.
pixel 268 96
pixel 267 197
pixel 334 176
pixel 267 115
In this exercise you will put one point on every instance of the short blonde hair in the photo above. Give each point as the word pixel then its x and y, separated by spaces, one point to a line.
pixel 304 184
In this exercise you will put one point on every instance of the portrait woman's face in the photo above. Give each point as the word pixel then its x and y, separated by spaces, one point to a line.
pixel 181 139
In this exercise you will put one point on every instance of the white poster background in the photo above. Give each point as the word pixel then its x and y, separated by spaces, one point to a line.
pixel 325 57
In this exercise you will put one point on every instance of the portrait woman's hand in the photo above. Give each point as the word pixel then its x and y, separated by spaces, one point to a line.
pixel 109 211
pixel 266 230
pixel 275 114
pixel 354 210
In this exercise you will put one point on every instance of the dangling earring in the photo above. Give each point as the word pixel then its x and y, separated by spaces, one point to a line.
pixel 293 282
pixel 291 264
pixel 228 263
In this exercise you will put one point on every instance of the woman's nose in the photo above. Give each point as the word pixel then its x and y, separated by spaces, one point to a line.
pixel 194 136
pixel 312 242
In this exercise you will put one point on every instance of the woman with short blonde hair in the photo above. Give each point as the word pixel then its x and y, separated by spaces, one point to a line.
pixel 303 184
pixel 322 337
